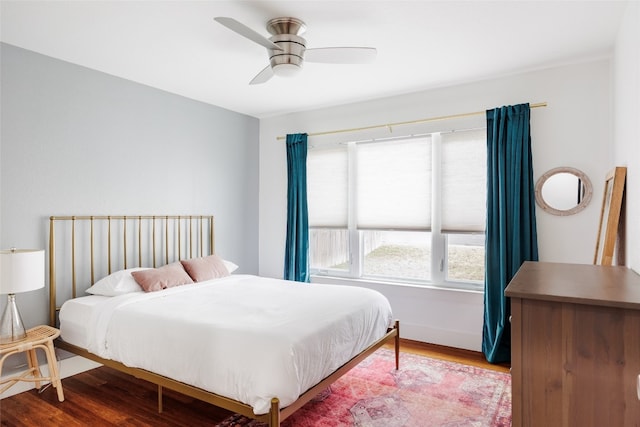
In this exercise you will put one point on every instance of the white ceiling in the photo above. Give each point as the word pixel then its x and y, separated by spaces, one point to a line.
pixel 176 46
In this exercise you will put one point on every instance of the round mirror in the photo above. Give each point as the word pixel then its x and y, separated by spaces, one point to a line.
pixel 563 191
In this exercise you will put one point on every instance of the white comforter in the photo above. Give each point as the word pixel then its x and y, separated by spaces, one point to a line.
pixel 244 337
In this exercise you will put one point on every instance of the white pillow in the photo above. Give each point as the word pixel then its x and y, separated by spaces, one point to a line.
pixel 231 267
pixel 118 283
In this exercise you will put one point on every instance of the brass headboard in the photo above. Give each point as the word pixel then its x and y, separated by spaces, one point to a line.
pixel 83 248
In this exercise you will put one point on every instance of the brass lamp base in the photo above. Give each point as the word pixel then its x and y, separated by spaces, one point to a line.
pixel 11 325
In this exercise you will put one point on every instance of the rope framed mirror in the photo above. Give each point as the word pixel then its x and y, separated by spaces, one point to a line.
pixel 563 191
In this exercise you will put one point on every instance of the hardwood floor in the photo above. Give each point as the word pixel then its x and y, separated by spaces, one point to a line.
pixel 105 397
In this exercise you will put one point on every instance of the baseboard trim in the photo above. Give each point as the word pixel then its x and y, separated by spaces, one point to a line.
pixel 445 337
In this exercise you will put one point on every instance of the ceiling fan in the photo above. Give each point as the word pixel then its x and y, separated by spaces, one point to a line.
pixel 288 50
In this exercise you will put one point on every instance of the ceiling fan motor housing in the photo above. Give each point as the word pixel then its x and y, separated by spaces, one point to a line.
pixel 286 34
pixel 291 57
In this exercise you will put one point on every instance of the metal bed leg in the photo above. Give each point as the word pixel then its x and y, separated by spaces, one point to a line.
pixel 274 413
pixel 397 344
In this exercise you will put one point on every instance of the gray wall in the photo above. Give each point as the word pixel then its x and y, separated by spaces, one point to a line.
pixel 78 141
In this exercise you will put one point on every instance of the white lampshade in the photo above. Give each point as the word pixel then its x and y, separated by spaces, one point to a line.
pixel 21 270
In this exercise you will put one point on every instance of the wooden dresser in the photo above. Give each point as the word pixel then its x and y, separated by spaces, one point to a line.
pixel 575 345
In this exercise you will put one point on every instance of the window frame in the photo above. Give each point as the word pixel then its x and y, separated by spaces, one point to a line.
pixel 439 241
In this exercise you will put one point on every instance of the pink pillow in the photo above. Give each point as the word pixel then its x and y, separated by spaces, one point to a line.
pixel 164 277
pixel 206 268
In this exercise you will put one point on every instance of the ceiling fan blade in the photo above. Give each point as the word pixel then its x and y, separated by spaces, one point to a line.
pixel 247 32
pixel 341 55
pixel 263 76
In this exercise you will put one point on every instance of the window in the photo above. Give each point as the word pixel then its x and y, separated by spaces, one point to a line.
pixel 405 210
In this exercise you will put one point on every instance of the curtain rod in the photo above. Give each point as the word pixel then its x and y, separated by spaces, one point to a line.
pixel 411 122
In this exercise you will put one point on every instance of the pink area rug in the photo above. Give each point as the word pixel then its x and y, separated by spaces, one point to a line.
pixel 425 392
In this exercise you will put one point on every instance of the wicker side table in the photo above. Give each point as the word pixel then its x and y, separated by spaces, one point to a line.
pixel 39 337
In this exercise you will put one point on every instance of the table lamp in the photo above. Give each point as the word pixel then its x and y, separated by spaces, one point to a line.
pixel 21 270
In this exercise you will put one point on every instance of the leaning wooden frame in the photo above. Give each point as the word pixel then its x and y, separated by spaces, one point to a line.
pixel 611 214
pixel 148 240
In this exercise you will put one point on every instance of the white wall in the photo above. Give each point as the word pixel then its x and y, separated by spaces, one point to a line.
pixel 626 123
pixel 573 130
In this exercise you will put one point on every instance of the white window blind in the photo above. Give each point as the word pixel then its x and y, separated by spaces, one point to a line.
pixel 328 187
pixel 394 185
pixel 464 181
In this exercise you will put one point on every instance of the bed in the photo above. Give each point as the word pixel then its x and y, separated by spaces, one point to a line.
pixel 260 347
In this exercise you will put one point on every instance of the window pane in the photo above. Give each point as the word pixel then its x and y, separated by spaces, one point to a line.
pixel 464 166
pixel 327 187
pixel 397 254
pixel 393 184
pixel 329 249
pixel 465 257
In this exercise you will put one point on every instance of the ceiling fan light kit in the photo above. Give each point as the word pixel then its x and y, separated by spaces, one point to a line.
pixel 286 69
pixel 286 48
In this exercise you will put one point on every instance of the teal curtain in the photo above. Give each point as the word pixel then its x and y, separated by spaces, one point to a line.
pixel 296 257
pixel 511 236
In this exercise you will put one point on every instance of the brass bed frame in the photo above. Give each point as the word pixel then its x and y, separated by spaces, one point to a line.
pixel 126 241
